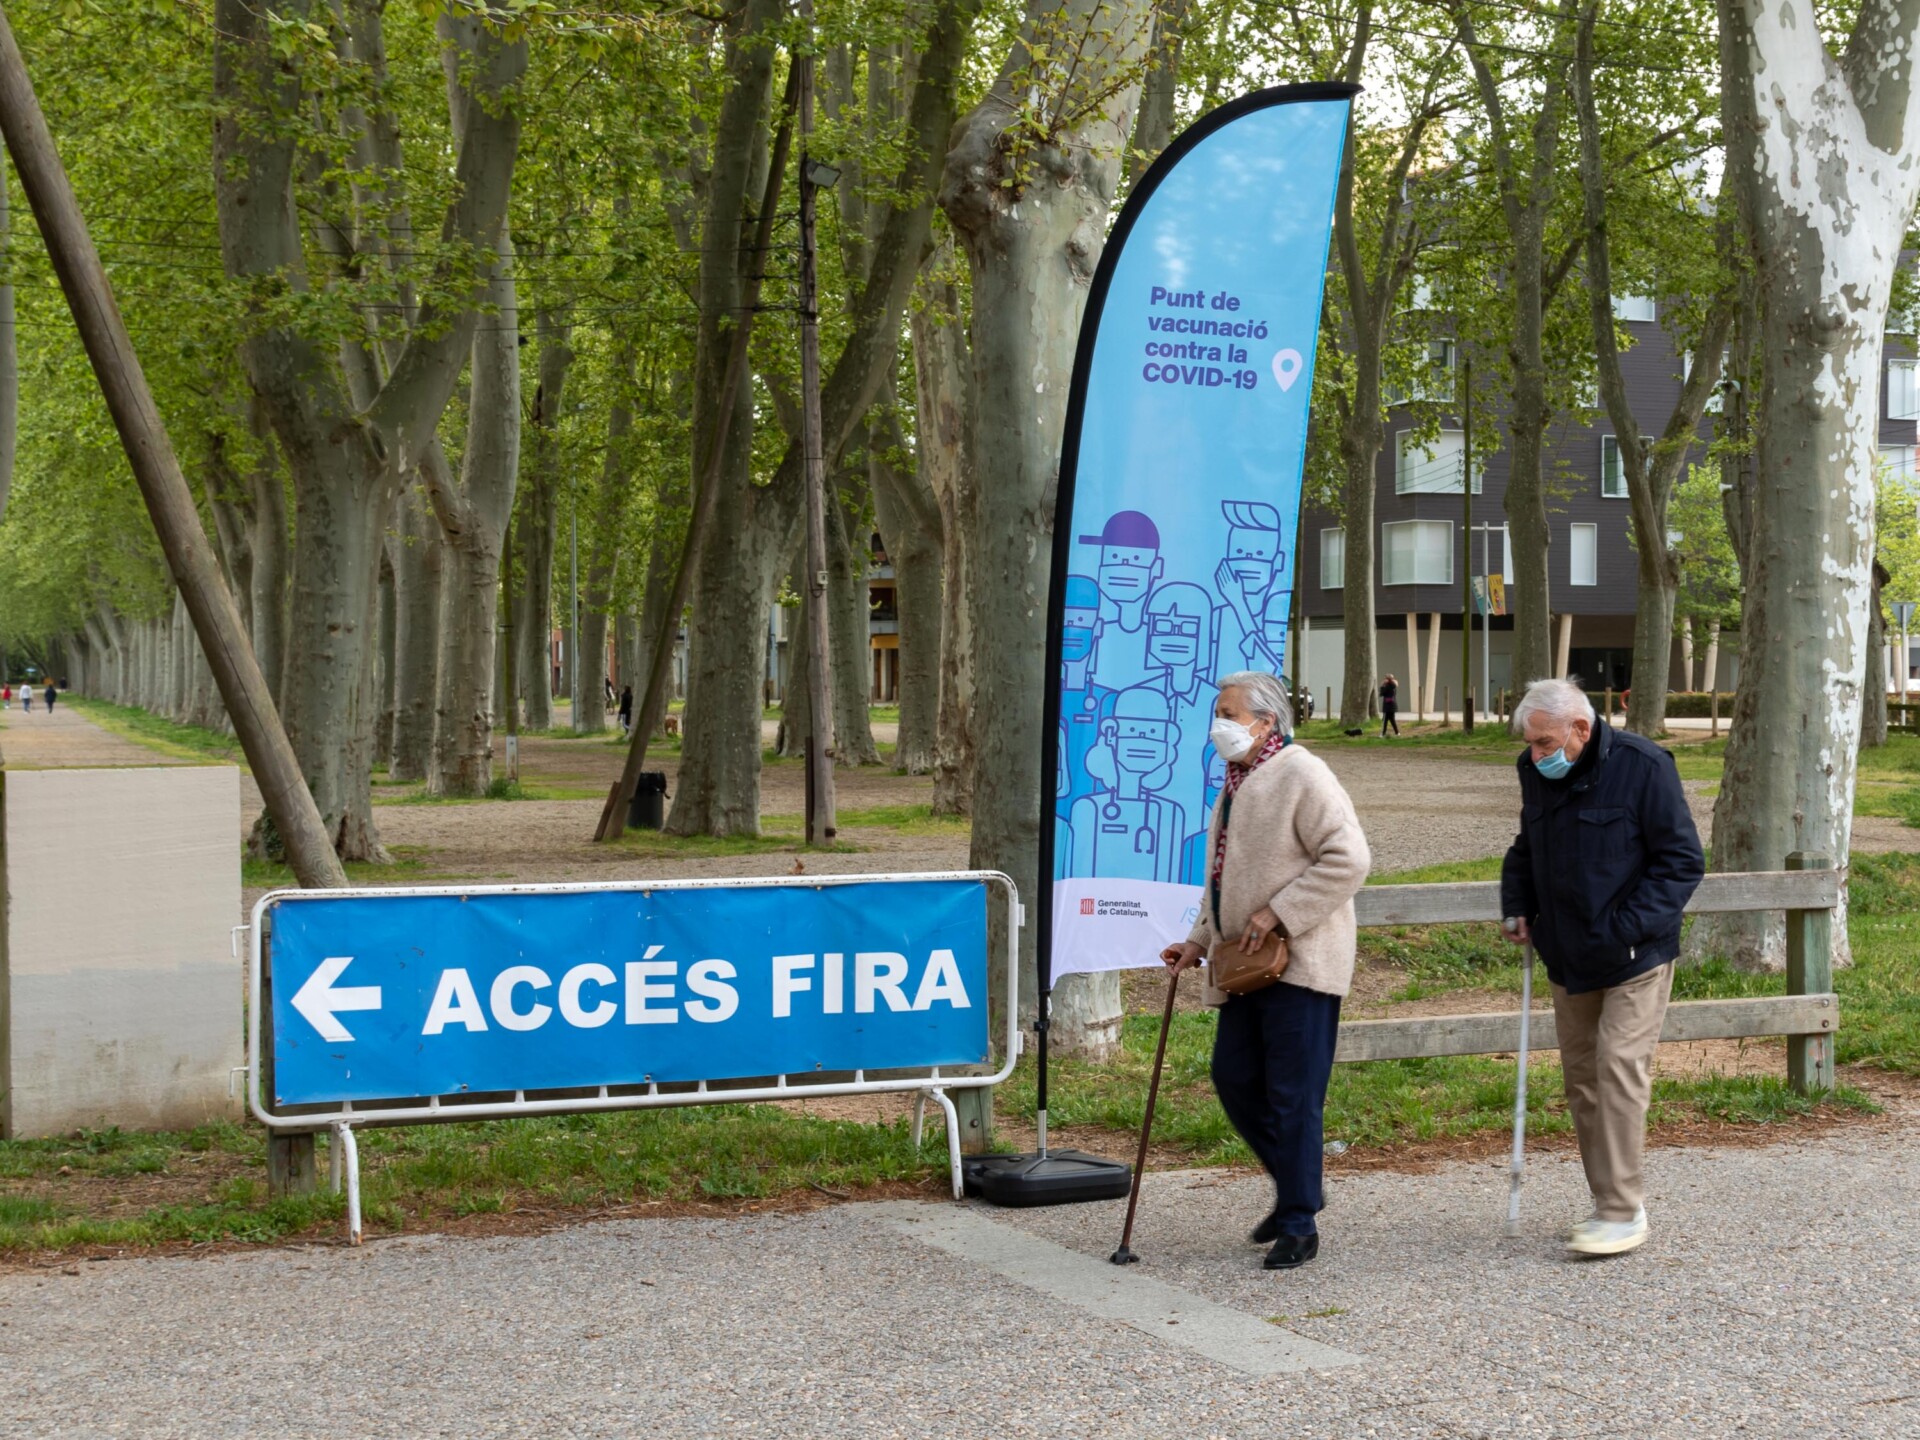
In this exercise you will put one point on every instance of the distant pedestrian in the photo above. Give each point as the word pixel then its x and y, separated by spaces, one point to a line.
pixel 1606 859
pixel 607 681
pixel 1389 706
pixel 626 709
pixel 26 698
pixel 51 692
pixel 6 697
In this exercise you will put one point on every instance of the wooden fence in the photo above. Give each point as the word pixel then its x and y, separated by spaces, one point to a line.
pixel 1808 1014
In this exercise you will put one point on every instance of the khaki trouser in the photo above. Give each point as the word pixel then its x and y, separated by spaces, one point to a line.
pixel 1606 1052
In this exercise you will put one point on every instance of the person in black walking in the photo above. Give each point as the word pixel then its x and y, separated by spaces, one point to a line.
pixel 51 692
pixel 626 709
pixel 1389 706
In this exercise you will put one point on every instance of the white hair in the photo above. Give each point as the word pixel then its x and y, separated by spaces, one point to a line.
pixel 1560 700
pixel 1265 696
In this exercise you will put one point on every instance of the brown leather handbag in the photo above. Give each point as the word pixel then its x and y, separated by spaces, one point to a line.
pixel 1233 970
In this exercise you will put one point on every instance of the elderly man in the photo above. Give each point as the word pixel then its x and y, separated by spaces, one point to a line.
pixel 1598 877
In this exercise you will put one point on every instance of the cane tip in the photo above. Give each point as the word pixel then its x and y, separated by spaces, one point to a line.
pixel 1123 1256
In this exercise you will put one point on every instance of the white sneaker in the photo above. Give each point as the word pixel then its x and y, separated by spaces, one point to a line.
pixel 1594 1236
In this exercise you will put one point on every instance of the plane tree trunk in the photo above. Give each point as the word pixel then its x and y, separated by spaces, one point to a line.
pixel 345 454
pixel 1820 151
pixel 1032 222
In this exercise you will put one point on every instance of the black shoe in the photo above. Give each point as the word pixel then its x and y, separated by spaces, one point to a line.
pixel 1290 1252
pixel 1268 1230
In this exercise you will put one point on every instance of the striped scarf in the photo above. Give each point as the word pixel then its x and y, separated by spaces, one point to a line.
pixel 1237 771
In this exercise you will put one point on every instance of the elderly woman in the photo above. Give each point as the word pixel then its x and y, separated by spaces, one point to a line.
pixel 1286 855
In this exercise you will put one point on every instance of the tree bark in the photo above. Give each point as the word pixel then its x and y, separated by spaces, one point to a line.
pixel 1032 229
pixel 942 371
pixel 909 518
pixel 345 450
pixel 1652 469
pixel 473 523
pixel 603 551
pixel 1528 189
pixel 386 675
pixel 1873 690
pixel 418 558
pixel 540 520
pixel 1370 302
pixel 850 614
pixel 9 354
pixel 1819 153
pixel 157 471
pixel 719 786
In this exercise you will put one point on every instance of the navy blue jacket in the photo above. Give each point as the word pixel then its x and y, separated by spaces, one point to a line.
pixel 1604 863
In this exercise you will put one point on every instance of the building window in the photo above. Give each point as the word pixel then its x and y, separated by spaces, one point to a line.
pixel 1633 307
pixel 1434 468
pixel 1613 474
pixel 1417 552
pixel 1903 403
pixel 1583 555
pixel 1896 461
pixel 1333 558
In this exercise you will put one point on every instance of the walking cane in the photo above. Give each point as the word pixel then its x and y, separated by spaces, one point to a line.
pixel 1124 1255
pixel 1518 1172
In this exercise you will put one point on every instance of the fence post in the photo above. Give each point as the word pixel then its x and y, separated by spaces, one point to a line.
pixel 291 1168
pixel 1809 972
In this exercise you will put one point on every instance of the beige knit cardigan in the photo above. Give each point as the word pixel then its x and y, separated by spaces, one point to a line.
pixel 1296 846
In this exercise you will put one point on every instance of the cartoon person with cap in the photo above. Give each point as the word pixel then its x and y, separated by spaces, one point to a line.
pixel 1130 832
pixel 1130 566
pixel 1243 579
pixel 1180 644
pixel 1083 704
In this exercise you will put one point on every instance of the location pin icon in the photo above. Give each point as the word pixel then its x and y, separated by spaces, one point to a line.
pixel 1286 368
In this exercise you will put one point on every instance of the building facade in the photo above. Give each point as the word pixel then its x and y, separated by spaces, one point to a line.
pixel 1420 519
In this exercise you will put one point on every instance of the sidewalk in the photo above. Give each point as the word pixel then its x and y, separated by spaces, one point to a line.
pixel 1779 1296
pixel 64 740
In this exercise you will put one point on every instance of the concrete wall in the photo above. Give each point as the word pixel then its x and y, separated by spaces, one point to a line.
pixel 120 999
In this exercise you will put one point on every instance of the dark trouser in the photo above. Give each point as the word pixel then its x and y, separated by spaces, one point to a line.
pixel 1272 1058
pixel 1389 715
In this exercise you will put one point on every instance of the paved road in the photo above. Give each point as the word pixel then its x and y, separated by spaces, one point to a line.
pixel 1780 1297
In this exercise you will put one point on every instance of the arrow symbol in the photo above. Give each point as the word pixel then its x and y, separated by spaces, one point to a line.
pixel 318 999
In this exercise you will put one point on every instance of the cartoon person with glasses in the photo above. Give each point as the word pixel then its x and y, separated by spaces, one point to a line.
pixel 1131 832
pixel 1180 643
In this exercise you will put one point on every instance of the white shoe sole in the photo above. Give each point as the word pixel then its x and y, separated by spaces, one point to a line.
pixel 1607 1247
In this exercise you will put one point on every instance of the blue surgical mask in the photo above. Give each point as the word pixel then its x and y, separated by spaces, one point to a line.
pixel 1554 766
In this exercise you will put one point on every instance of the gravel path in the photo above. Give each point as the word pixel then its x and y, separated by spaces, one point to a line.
pixel 1780 1296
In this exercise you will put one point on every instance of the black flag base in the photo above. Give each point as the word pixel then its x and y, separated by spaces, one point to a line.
pixel 1051 1177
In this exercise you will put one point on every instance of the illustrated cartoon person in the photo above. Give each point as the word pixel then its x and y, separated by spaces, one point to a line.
pixel 1062 830
pixel 1244 578
pixel 1130 832
pixel 1193 860
pixel 1274 620
pixel 1130 566
pixel 1180 644
pixel 1083 704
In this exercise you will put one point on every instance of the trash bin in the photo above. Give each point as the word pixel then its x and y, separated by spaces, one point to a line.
pixel 647 810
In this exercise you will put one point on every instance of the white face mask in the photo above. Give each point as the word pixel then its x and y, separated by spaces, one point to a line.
pixel 1231 739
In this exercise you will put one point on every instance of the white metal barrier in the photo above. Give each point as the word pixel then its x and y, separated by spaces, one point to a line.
pixel 342 1120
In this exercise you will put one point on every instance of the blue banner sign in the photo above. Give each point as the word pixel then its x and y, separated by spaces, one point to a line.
pixel 379 997
pixel 1174 539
